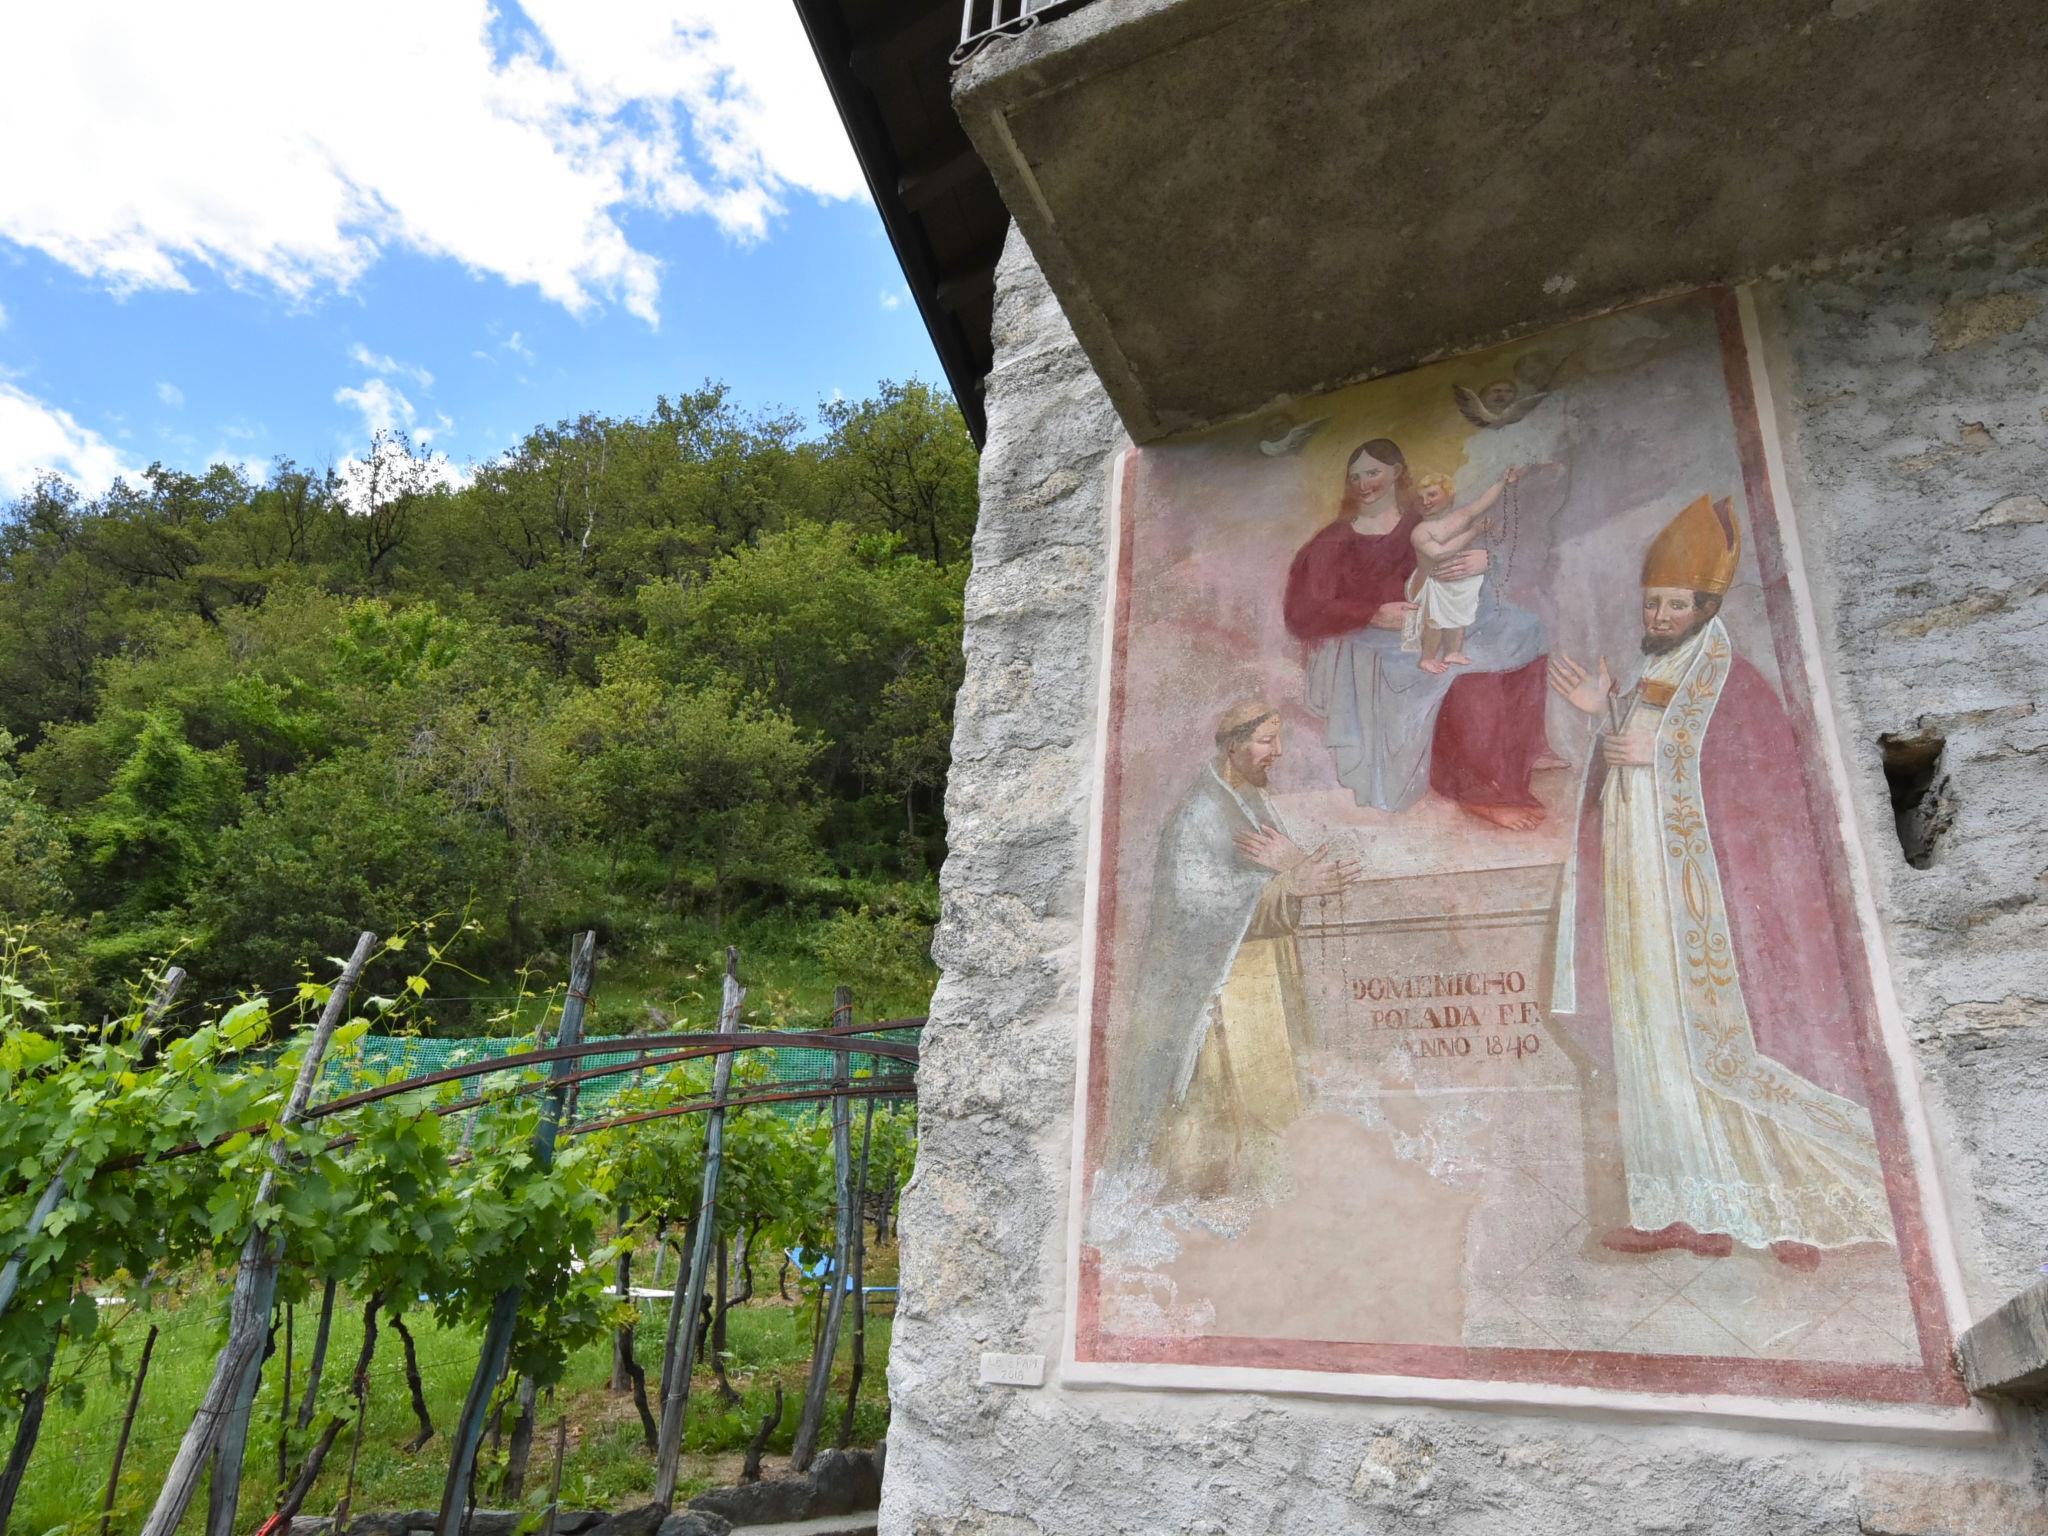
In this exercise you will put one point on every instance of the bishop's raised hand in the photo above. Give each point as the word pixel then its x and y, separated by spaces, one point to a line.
pixel 1586 692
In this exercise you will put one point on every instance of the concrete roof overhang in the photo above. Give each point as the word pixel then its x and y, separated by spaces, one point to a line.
pixel 1237 201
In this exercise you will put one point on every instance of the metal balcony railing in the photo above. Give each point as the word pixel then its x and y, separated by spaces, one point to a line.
pixel 983 21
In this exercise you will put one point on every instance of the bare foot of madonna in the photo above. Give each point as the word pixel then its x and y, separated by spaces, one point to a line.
pixel 1431 664
pixel 1459 659
pixel 1516 818
pixel 1803 1257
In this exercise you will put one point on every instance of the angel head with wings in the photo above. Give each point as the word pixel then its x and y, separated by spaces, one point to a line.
pixel 1499 402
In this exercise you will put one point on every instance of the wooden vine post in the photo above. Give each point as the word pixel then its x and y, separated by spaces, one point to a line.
pixel 127 1429
pixel 547 1524
pixel 224 1487
pixel 807 1426
pixel 284 1402
pixel 858 1268
pixel 682 1352
pixel 241 1358
pixel 318 1363
pixel 622 1287
pixel 497 1345
pixel 27 1428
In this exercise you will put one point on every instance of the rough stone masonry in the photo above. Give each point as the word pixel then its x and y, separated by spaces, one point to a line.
pixel 1912 389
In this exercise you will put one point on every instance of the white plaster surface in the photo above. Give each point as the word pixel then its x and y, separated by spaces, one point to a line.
pixel 1912 391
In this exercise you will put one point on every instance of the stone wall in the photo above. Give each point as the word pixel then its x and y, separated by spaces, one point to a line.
pixel 1912 389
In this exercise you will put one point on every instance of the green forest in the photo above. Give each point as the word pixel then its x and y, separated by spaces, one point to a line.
pixel 685 678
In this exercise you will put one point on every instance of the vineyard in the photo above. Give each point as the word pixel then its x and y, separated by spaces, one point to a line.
pixel 231 1209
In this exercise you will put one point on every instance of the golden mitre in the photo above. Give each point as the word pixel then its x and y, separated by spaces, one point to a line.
pixel 1697 549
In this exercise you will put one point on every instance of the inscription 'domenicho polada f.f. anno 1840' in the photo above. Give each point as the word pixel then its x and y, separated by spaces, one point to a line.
pixel 1479 990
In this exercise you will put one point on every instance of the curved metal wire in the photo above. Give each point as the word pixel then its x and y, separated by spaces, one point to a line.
pixel 844 1039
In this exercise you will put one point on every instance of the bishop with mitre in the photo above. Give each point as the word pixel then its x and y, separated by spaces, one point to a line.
pixel 1695 915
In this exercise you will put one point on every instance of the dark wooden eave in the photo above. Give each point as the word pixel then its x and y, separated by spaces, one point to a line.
pixel 886 64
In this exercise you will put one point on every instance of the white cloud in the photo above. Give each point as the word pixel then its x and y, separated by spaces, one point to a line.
pixel 382 406
pixel 256 471
pixel 517 347
pixel 384 362
pixel 3 317
pixel 36 438
pixel 171 395
pixel 892 301
pixel 291 144
pixel 756 105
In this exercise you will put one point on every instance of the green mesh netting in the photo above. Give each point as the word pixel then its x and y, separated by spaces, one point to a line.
pixel 418 1055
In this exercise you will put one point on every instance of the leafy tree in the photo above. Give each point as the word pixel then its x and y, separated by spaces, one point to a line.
pixel 908 742
pixel 154 533
pixel 64 609
pixel 386 492
pixel 269 709
pixel 256 681
pixel 148 839
pixel 877 952
pixel 496 756
pixel 290 523
pixel 716 782
pixel 819 618
pixel 353 842
pixel 902 463
pixel 33 850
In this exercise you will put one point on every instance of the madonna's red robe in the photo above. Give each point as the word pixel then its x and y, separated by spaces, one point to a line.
pixel 1489 731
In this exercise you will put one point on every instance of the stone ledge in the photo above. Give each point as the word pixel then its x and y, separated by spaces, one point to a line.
pixel 2007 1352
pixel 1241 201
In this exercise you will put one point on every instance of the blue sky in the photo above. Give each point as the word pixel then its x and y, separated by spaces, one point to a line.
pixel 525 214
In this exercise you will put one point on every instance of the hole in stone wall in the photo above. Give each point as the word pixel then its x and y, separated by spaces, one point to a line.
pixel 1922 804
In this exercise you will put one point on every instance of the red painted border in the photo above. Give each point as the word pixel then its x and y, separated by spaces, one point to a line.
pixel 1935 1382
pixel 1112 830
pixel 1916 1254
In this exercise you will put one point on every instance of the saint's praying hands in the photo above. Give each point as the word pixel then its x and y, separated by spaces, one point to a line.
pixel 1301 873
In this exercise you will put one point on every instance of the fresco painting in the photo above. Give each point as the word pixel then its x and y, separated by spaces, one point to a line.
pixel 1479 989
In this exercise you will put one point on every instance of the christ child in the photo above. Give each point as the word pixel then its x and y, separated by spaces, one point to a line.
pixel 1445 607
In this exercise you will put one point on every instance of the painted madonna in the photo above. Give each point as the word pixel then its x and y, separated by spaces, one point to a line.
pixel 1397 724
